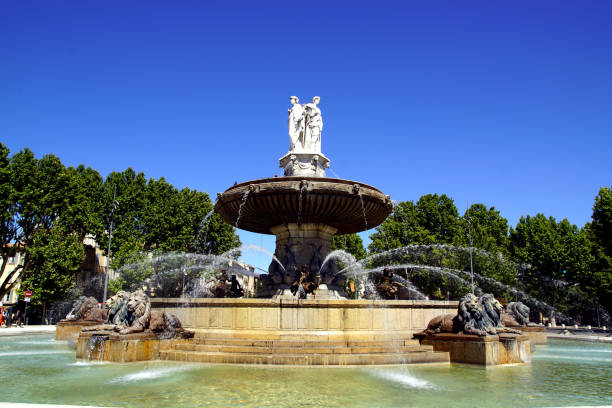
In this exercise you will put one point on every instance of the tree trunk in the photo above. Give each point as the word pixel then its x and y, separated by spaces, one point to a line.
pixel 44 310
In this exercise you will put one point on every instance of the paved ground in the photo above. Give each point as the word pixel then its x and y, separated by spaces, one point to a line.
pixel 596 339
pixel 18 331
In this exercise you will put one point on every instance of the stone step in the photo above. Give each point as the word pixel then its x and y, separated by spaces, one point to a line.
pixel 303 343
pixel 306 359
pixel 317 349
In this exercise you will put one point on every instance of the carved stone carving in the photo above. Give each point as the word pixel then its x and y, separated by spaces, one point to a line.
pixel 86 308
pixel 478 316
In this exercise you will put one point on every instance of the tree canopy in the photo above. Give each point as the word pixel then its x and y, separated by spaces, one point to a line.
pixel 47 210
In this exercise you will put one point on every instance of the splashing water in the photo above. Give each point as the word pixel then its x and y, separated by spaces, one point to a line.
pixel 203 224
pixel 232 252
pixel 340 255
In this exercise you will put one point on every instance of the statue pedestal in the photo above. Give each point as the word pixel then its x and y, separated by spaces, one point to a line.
pixel 113 347
pixel 488 351
pixel 536 334
pixel 311 164
pixel 70 329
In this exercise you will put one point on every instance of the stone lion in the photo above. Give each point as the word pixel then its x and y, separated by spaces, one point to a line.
pixel 142 319
pixel 131 313
pixel 516 314
pixel 478 316
pixel 491 321
pixel 117 308
pixel 469 313
pixel 138 313
pixel 86 308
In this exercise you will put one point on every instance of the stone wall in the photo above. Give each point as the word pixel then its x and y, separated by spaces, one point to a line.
pixel 275 318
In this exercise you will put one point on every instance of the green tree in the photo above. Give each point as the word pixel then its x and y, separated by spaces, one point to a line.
pixel 432 220
pixel 557 256
pixel 488 229
pixel 153 217
pixel 55 256
pixel 351 243
pixel 599 232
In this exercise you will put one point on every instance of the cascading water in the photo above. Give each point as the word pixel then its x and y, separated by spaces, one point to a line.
pixel 242 203
pixel 203 226
pixel 95 347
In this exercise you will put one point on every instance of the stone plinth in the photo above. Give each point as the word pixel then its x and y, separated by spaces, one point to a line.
pixel 104 346
pixel 310 164
pixel 70 329
pixel 536 334
pixel 488 351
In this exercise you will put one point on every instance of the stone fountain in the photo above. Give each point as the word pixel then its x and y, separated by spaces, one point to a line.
pixel 301 315
pixel 304 209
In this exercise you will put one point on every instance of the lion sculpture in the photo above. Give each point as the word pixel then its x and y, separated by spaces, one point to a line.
pixel 131 313
pixel 465 321
pixel 516 314
pixel 117 309
pixel 140 319
pixel 86 308
pixel 491 322
pixel 477 316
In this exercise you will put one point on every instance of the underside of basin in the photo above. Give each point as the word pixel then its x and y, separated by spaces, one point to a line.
pixel 348 206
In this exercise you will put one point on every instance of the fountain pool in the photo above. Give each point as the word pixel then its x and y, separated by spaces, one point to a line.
pixel 38 369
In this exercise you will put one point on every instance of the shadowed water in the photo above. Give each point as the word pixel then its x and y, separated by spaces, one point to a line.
pixel 562 373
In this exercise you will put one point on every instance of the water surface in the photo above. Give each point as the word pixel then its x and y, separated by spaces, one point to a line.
pixel 37 369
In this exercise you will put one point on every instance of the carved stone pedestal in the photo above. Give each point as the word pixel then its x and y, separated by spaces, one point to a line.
pixel 304 244
pixel 70 329
pixel 536 334
pixel 304 164
pixel 488 351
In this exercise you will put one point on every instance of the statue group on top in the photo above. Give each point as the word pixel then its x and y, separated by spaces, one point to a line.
pixel 305 126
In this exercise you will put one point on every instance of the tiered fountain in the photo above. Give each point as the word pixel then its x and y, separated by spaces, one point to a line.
pixel 302 314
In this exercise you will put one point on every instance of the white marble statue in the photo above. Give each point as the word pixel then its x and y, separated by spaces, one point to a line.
pixel 314 126
pixel 296 125
pixel 305 126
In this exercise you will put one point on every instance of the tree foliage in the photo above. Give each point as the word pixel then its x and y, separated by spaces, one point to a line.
pixel 432 220
pixel 46 208
pixel 351 243
pixel 55 256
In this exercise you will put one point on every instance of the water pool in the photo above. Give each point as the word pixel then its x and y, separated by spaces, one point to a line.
pixel 38 369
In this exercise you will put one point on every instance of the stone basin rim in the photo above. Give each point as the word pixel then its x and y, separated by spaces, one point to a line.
pixel 327 201
pixel 299 178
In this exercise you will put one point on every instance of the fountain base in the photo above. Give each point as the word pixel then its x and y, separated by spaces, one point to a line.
pixel 70 329
pixel 487 351
pixel 104 346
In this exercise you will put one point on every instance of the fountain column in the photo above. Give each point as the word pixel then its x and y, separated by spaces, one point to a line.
pixel 305 244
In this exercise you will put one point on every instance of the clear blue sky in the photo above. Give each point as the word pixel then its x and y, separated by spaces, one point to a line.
pixel 508 103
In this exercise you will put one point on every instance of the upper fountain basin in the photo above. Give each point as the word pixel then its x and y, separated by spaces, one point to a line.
pixel 303 200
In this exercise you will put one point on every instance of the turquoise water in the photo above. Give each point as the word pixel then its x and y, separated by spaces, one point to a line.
pixel 37 369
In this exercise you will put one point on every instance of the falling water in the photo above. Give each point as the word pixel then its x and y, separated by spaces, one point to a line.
pixel 303 189
pixel 95 347
pixel 242 203
pixel 201 227
pixel 365 219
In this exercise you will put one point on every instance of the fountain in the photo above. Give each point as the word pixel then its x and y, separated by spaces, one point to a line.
pixel 301 313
